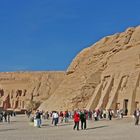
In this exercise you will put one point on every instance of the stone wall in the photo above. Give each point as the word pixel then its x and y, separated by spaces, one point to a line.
pixel 18 89
pixel 103 76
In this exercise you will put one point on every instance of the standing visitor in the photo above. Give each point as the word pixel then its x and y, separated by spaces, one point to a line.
pixel 136 115
pixel 37 121
pixel 110 114
pixel 55 118
pixel 5 116
pixel 121 113
pixel 61 116
pixel 1 117
pixel 66 116
pixel 104 113
pixel 83 119
pixel 95 115
pixel 76 120
pixel 8 117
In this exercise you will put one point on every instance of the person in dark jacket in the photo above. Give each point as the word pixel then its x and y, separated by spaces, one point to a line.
pixel 110 114
pixel 83 119
pixel 38 118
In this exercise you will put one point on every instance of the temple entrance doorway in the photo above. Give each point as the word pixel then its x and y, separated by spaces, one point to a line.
pixel 125 107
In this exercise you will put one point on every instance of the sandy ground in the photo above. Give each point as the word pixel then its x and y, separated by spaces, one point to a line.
pixel 21 129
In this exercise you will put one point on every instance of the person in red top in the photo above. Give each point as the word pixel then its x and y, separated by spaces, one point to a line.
pixel 61 116
pixel 76 120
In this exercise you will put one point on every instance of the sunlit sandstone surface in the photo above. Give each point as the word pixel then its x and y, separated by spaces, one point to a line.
pixel 105 75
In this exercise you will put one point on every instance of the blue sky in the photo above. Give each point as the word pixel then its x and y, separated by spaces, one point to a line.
pixel 40 35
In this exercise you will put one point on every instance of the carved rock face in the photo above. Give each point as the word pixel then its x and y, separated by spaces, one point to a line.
pixel 105 75
pixel 17 90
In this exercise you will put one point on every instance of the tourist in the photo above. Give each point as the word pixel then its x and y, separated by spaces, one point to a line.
pixel 37 120
pixel 126 111
pixel 76 120
pixel 66 116
pixel 14 113
pixel 110 114
pixel 61 115
pixel 55 118
pixel 89 115
pixel 101 114
pixel 83 119
pixel 1 117
pixel 118 113
pixel 47 115
pixel 43 115
pixel 95 115
pixel 70 115
pixel 104 113
pixel 137 115
pixel 28 113
pixel 5 116
pixel 121 113
pixel 8 117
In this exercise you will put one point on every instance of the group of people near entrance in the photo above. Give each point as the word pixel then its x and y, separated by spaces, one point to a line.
pixel 79 116
pixel 6 115
pixel 39 115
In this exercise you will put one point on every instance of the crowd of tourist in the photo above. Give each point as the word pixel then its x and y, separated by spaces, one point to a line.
pixel 6 115
pixel 79 116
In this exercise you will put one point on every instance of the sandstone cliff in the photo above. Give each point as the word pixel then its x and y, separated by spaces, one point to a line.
pixel 105 75
pixel 18 89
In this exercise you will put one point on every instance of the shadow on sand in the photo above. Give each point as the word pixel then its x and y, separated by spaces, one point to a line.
pixel 4 130
pixel 63 124
pixel 98 127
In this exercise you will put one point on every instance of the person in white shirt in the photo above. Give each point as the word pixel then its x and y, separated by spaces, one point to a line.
pixel 55 117
pixel 137 115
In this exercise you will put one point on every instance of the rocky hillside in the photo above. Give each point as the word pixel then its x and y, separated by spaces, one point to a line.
pixel 19 89
pixel 94 67
pixel 104 75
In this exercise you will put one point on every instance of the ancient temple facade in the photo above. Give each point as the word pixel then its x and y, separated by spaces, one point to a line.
pixel 117 92
pixel 18 89
pixel 105 75
pixel 119 87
